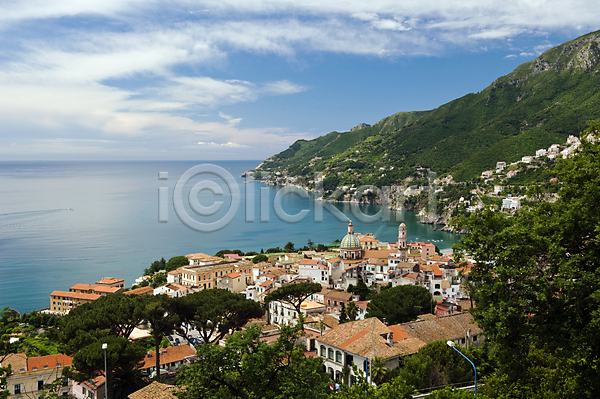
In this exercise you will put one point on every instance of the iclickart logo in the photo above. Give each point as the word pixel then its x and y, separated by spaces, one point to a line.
pixel 224 190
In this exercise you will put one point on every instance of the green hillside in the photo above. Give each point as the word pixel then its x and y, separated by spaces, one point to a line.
pixel 540 103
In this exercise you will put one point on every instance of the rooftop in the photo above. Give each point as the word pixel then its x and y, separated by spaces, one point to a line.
pixel 362 337
pixel 110 280
pixel 48 362
pixel 75 295
pixel 168 355
pixel 156 390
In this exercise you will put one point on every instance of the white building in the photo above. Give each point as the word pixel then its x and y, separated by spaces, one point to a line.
pixel 541 153
pixel 527 159
pixel 314 270
pixel 511 203
pixel 282 313
pixel 357 343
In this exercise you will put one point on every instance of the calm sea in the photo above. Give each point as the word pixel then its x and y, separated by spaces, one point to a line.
pixel 63 223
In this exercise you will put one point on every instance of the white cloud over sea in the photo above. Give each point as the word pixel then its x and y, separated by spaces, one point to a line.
pixel 154 78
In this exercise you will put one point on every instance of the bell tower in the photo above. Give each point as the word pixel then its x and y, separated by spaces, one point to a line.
pixel 402 245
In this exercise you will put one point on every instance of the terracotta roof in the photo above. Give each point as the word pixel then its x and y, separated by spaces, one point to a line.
pixel 399 333
pixel 360 338
pixel 337 294
pixel 409 346
pixel 330 321
pixel 362 304
pixel 175 272
pixel 378 261
pixel 233 275
pixel 276 271
pixel 266 283
pixel 110 280
pixel 309 262
pixel 203 257
pixel 49 362
pixel 436 270
pixel 169 355
pixel 156 390
pixel 445 328
pixel 18 362
pixel 378 253
pixel 75 295
pixel 406 265
pixel 147 290
pixel 95 383
pixel 96 288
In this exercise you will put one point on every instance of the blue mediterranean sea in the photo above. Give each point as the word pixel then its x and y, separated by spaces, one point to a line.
pixel 67 222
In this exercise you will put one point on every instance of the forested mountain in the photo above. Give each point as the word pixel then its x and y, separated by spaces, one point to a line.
pixel 540 103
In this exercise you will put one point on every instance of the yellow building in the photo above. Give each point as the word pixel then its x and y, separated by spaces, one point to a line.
pixel 30 375
pixel 207 276
pixel 61 302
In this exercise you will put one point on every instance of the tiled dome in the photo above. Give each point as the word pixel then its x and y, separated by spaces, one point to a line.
pixel 350 241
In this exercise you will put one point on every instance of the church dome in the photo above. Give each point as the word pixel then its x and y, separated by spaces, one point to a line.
pixel 350 241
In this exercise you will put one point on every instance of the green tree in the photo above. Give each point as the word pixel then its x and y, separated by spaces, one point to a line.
pixel 289 247
pixel 159 280
pixel 379 372
pixel 160 312
pixel 294 294
pixel 537 282
pixel 155 267
pixel 400 304
pixel 229 251
pixel 109 319
pixel 453 393
pixel 343 315
pixel 215 313
pixel 260 258
pixel 247 367
pixel 361 289
pixel 397 388
pixel 435 365
pixel 352 310
pixel 176 262
pixel 122 358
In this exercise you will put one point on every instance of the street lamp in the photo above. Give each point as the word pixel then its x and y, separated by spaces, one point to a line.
pixel 104 346
pixel 452 345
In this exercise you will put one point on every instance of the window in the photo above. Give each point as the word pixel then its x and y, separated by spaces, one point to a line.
pixel 330 354
pixel 474 338
pixel 17 388
pixel 40 385
pixel 338 356
pixel 323 350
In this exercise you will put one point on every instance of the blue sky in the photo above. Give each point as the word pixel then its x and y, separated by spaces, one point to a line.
pixel 232 79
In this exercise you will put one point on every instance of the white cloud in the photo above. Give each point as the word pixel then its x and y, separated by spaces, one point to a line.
pixel 229 144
